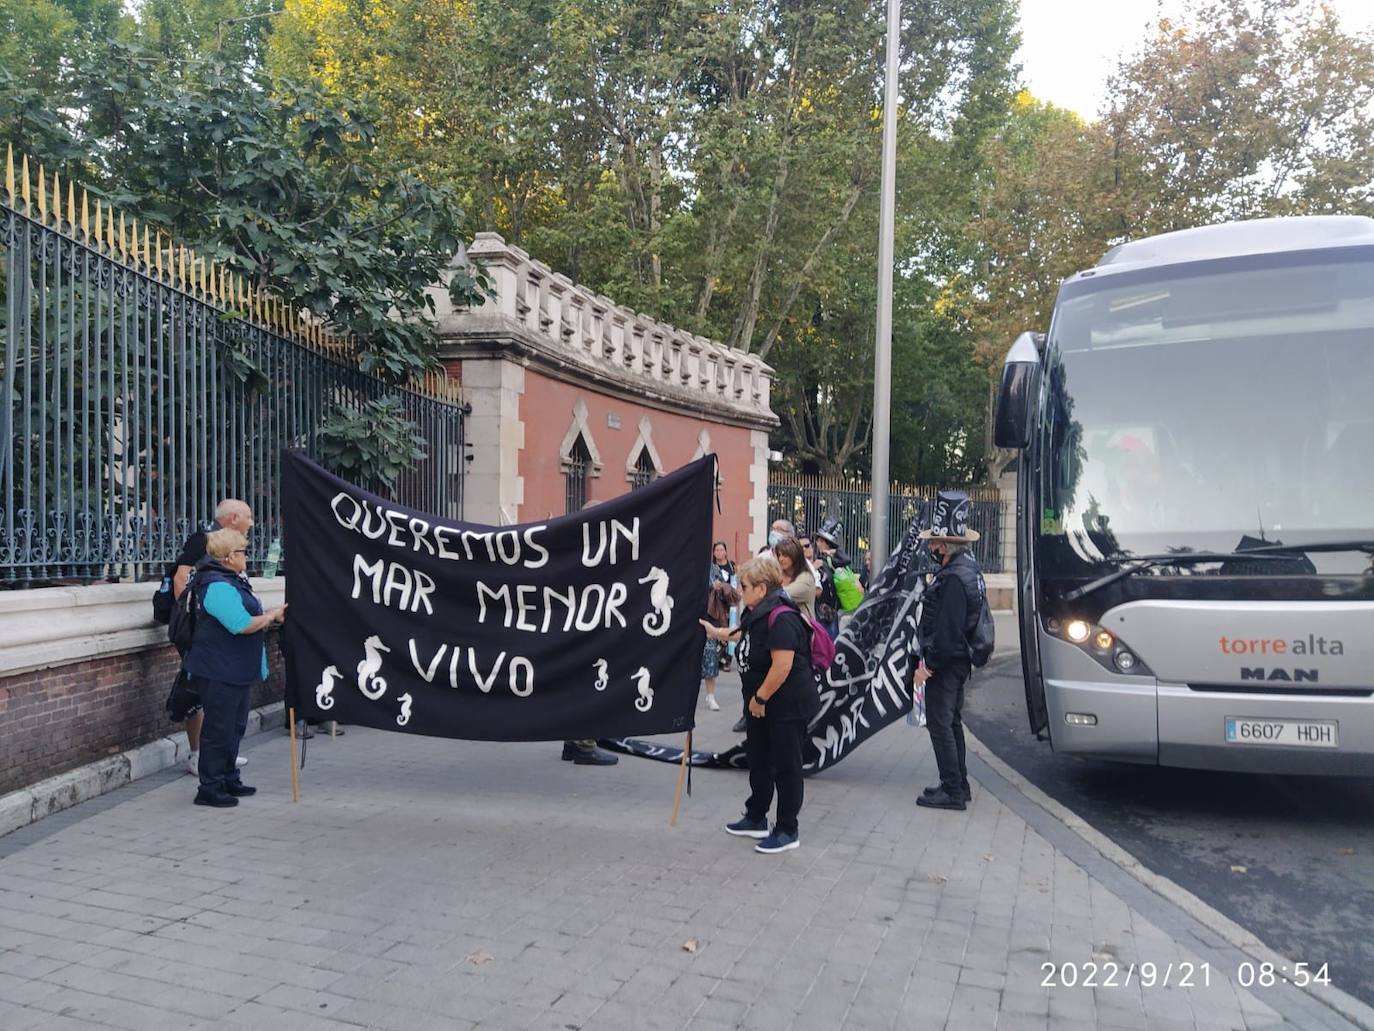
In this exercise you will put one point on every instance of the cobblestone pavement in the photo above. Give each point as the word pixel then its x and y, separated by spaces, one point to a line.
pixel 423 883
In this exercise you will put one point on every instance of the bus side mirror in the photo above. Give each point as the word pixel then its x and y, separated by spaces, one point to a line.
pixel 1012 425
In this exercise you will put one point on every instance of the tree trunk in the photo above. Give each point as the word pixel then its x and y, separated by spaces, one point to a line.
pixel 742 335
pixel 795 291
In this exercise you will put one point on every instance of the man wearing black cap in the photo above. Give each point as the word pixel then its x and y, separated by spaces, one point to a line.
pixel 830 557
pixel 949 613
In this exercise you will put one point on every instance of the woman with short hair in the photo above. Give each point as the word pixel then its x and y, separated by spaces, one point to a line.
pixel 226 659
pixel 797 579
pixel 780 695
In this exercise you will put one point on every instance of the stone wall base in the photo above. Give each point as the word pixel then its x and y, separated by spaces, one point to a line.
pixel 21 808
pixel 63 717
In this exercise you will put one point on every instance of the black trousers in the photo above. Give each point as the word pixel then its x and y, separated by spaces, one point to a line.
pixel 226 721
pixel 945 721
pixel 774 749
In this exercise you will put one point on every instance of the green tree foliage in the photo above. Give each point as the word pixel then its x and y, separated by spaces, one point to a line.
pixel 276 181
pixel 715 164
pixel 1242 110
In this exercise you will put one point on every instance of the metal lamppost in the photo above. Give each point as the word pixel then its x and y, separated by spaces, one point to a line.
pixel 882 351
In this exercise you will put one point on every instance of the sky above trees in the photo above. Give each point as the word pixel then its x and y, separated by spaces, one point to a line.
pixel 1069 48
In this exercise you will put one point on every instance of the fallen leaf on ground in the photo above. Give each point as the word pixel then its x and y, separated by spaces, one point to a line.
pixel 1239 869
pixel 936 878
pixel 987 857
pixel 690 945
pixel 1347 851
pixel 479 957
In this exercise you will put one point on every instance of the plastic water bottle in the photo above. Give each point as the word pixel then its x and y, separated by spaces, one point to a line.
pixel 273 560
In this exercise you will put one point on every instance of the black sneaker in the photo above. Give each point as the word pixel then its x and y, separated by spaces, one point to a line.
pixel 778 841
pixel 220 800
pixel 941 800
pixel 593 757
pixel 968 793
pixel 738 728
pixel 241 790
pixel 747 828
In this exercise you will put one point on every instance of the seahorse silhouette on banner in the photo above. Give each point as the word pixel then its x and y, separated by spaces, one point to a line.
pixel 656 623
pixel 603 674
pixel 645 701
pixel 371 685
pixel 324 692
pixel 869 685
pixel 404 717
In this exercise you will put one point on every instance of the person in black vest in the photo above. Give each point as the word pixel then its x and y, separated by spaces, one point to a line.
pixel 230 514
pixel 780 696
pixel 949 613
pixel 228 655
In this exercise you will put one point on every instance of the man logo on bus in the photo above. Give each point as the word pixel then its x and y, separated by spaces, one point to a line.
pixel 1296 676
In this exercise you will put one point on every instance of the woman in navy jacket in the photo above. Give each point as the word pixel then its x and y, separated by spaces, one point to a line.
pixel 227 657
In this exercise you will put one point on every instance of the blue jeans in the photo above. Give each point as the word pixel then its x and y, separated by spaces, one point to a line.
pixel 226 721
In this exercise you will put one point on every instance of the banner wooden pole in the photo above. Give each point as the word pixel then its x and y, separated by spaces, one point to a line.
pixel 295 772
pixel 681 777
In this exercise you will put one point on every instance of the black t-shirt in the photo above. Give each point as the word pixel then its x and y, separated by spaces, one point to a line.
pixel 797 698
pixel 193 550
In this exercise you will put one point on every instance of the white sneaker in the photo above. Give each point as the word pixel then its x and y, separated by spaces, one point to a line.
pixel 193 764
pixel 240 762
pixel 712 704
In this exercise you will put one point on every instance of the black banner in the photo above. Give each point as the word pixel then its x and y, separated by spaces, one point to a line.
pixel 869 685
pixel 583 626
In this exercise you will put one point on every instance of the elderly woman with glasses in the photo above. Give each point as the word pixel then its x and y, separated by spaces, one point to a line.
pixel 226 659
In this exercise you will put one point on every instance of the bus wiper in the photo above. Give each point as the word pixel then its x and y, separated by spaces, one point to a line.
pixel 1350 545
pixel 1175 559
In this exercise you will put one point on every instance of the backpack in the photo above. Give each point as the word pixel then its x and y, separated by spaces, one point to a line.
pixel 822 647
pixel 181 620
pixel 848 591
pixel 982 636
pixel 162 597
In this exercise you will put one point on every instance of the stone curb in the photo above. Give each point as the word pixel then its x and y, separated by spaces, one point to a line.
pixel 1346 1005
pixel 29 805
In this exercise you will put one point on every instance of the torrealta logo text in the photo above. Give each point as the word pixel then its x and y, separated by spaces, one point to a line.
pixel 1309 645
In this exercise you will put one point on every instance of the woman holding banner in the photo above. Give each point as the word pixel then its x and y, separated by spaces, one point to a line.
pixel 780 700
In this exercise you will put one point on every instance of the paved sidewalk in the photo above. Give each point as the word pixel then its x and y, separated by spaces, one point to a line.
pixel 438 884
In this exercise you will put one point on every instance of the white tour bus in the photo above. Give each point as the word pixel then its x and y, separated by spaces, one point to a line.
pixel 1195 501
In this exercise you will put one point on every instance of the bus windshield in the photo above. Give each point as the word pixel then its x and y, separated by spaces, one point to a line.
pixel 1211 409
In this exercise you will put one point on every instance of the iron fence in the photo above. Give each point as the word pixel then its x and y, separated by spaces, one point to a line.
pixel 139 384
pixel 809 501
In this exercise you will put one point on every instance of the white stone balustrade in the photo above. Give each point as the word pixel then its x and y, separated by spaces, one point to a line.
pixel 538 307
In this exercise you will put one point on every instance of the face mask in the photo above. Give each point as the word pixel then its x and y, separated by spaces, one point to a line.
pixel 774 538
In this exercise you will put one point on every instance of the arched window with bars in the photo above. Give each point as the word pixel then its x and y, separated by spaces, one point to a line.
pixel 575 471
pixel 644 473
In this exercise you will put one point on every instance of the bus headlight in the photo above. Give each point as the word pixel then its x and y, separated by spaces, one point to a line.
pixel 1106 649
